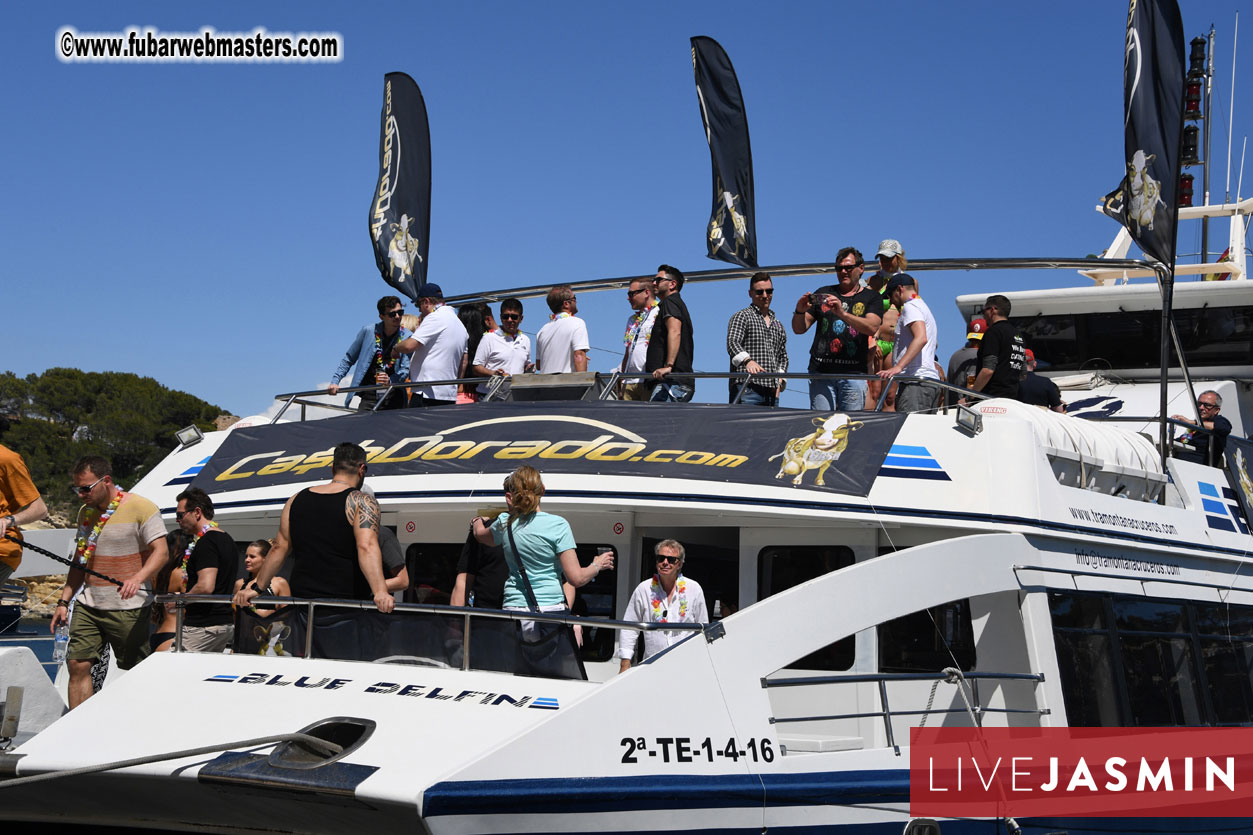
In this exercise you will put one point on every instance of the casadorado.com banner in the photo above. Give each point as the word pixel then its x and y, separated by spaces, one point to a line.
pixel 1081 772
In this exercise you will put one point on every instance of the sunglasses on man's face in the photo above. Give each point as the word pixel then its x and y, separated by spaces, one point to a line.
pixel 846 267
pixel 83 491
pixel 510 317
pixel 763 292
pixel 667 558
pixel 394 314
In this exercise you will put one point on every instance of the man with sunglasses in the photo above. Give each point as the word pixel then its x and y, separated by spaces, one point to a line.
pixel 1212 425
pixel 639 330
pixel 505 352
pixel 130 547
pixel 212 565
pixel 757 344
pixel 1002 356
pixel 671 350
pixel 666 597
pixel 847 316
pixel 370 351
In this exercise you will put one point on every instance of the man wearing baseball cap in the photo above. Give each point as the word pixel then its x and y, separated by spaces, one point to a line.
pixel 438 347
pixel 913 352
pixel 963 365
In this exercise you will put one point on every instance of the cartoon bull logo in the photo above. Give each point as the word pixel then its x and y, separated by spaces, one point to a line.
pixel 402 250
pixel 1146 193
pixel 271 638
pixel 817 450
pixel 1242 472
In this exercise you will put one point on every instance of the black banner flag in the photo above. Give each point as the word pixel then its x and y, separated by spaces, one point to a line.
pixel 1147 200
pixel 400 213
pixel 732 229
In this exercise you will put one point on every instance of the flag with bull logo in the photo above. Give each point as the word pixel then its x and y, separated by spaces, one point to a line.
pixel 1147 199
pixel 732 232
pixel 400 211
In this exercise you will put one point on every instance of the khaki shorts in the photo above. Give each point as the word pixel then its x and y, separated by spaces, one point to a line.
pixel 126 631
pixel 207 638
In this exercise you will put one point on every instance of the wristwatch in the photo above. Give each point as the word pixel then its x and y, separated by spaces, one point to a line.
pixel 12 520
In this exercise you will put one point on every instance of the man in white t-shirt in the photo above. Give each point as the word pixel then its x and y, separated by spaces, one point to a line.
pixel 913 355
pixel 438 347
pixel 504 352
pixel 562 344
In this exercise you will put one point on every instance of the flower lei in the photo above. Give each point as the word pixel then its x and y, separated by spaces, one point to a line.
pixel 562 315
pixel 191 546
pixel 635 323
pixel 87 541
pixel 385 364
pixel 659 597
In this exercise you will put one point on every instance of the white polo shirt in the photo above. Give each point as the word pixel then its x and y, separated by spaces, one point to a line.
pixel 556 343
pixel 499 350
pixel 442 342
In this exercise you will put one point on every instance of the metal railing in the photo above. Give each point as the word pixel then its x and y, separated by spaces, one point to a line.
pixel 465 613
pixel 886 713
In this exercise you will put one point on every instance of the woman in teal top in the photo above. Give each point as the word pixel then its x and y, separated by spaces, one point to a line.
pixel 544 543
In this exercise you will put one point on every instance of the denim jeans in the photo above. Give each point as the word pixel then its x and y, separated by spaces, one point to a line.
pixel 837 395
pixel 672 393
pixel 757 396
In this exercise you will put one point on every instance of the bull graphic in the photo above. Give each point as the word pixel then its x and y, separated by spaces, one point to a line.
pixel 1242 471
pixel 271 638
pixel 1146 193
pixel 818 450
pixel 402 251
pixel 737 222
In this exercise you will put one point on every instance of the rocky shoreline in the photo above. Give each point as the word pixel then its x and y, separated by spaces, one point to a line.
pixel 42 594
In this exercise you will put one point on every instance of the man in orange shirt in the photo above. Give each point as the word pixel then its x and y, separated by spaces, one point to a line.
pixel 20 504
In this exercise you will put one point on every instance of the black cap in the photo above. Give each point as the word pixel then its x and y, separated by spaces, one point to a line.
pixel 900 280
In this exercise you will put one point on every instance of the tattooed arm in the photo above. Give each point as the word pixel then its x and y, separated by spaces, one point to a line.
pixel 363 514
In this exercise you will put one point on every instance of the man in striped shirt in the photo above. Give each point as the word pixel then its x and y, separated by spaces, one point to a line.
pixel 130 547
pixel 757 343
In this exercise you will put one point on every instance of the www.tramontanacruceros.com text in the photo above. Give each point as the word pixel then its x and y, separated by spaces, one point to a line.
pixel 148 44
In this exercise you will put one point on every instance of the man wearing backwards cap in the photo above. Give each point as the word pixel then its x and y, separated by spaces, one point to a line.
pixel 438 347
pixel 963 365
pixel 913 353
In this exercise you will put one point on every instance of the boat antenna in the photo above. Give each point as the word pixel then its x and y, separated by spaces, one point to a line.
pixel 1232 114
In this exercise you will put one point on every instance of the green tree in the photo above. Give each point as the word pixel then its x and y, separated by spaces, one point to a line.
pixel 62 414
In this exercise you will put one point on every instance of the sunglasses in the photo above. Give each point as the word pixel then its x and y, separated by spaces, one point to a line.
pixel 509 317
pixel 394 314
pixel 179 514
pixel 83 491
pixel 846 267
pixel 667 558
pixel 632 293
pixel 1205 405
pixel 763 292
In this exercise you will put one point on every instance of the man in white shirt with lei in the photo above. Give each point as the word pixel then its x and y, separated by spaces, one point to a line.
pixel 503 352
pixel 561 345
pixel 666 597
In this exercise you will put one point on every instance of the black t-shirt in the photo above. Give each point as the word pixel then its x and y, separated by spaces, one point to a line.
pixel 487 564
pixel 671 307
pixel 1199 440
pixel 1039 391
pixel 1003 341
pixel 214 550
pixel 837 347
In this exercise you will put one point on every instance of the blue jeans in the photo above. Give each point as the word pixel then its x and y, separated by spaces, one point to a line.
pixel 837 395
pixel 756 396
pixel 672 393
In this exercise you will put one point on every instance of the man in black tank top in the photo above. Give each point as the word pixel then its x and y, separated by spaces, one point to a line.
pixel 333 528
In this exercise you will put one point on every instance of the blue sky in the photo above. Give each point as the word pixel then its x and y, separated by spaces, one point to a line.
pixel 205 224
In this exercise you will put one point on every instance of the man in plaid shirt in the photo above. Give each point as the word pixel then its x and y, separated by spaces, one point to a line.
pixel 757 343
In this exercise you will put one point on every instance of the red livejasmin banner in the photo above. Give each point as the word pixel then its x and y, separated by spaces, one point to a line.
pixel 1093 772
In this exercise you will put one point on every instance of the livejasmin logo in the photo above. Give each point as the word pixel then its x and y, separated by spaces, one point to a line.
pixel 1097 772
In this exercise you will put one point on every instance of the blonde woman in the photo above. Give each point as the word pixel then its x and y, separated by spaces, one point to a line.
pixel 539 549
pixel 891 261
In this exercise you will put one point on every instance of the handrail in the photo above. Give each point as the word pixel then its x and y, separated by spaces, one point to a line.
pixel 467 613
pixel 887 713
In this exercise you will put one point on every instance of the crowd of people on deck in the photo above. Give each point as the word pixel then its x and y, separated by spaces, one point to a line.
pixel 874 339
pixel 522 559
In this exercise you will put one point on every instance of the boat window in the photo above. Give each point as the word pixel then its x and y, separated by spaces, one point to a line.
pixel 1132 661
pixel 928 641
pixel 432 571
pixel 1072 342
pixel 780 567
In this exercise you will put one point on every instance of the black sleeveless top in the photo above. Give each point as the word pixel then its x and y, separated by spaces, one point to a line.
pixel 325 548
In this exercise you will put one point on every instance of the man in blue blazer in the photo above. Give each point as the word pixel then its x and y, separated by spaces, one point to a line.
pixel 370 351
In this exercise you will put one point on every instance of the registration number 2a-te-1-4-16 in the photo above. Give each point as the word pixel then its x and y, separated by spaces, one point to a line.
pixel 682 749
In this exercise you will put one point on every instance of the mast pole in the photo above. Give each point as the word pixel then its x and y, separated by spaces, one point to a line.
pixel 1209 92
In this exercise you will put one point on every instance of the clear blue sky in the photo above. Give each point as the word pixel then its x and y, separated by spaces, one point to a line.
pixel 205 224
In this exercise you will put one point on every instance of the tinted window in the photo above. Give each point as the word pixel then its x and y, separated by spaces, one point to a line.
pixel 781 567
pixel 928 641
pixel 597 600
